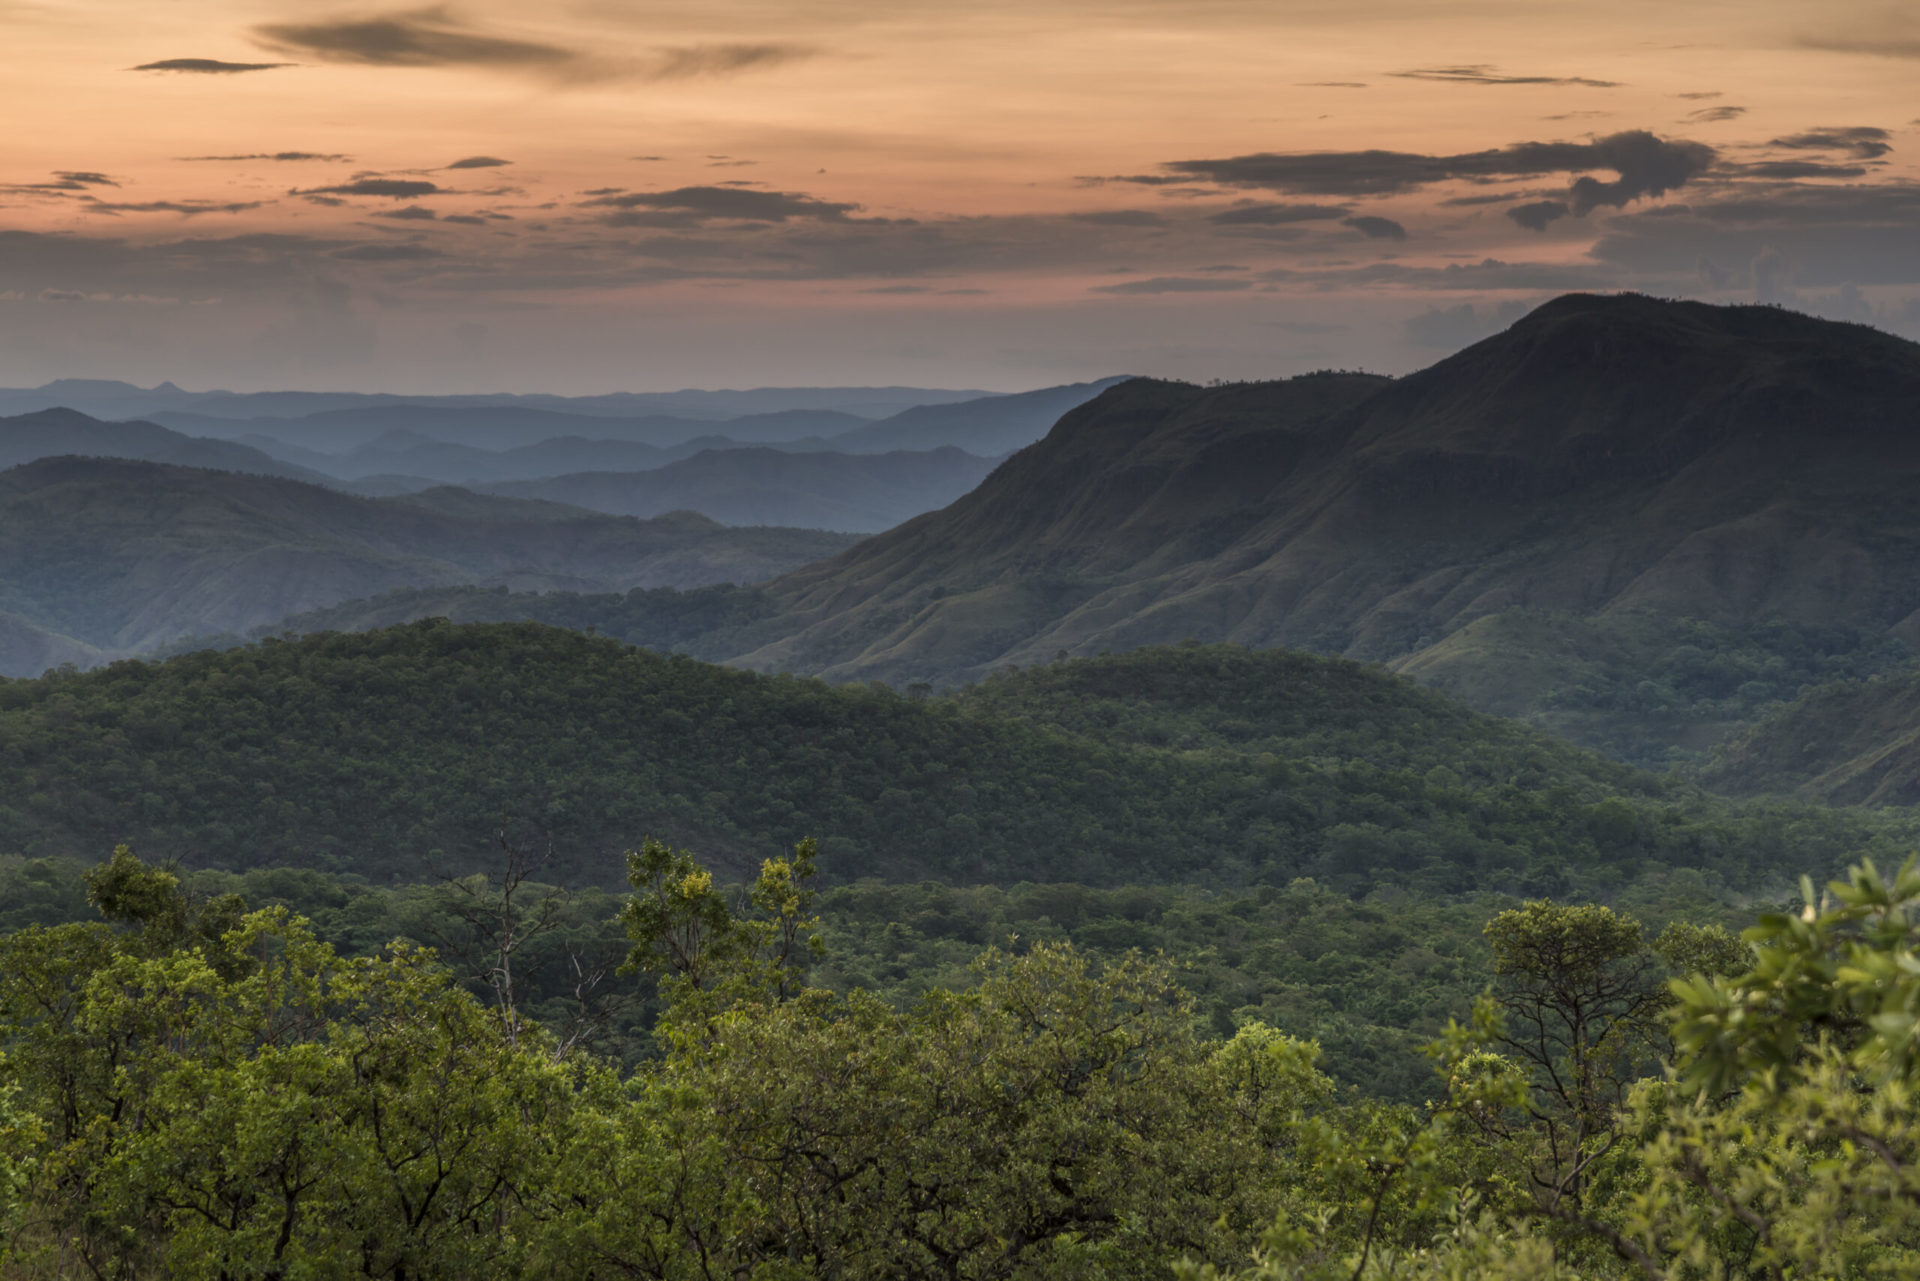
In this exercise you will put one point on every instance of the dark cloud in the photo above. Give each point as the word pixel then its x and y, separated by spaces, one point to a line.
pixel 1697 97
pixel 1834 235
pixel 1713 115
pixel 412 213
pixel 86 178
pixel 1274 215
pixel 1536 216
pixel 1175 285
pixel 330 202
pixel 61 184
pixel 185 208
pixel 471 220
pixel 479 162
pixel 1483 74
pixel 435 37
pixel 690 206
pixel 280 156
pixel 429 37
pixel 1862 142
pixel 1121 218
pixel 1647 166
pixel 1375 228
pixel 208 66
pixel 391 188
pixel 1795 169
pixel 386 253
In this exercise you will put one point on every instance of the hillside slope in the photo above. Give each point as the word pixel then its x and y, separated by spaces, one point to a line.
pixel 363 753
pixel 51 433
pixel 124 555
pixel 856 493
pixel 1727 464
pixel 1848 743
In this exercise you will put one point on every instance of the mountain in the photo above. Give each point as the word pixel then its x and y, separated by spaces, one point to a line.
pixel 1733 465
pixel 1848 743
pixel 495 428
pixel 1207 765
pixel 49 433
pixel 121 555
pixel 990 426
pixel 105 398
pixel 858 493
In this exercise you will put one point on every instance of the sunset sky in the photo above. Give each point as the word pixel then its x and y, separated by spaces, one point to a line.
pixel 608 195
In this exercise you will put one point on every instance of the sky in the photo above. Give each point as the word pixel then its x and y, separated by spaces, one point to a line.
pixel 600 195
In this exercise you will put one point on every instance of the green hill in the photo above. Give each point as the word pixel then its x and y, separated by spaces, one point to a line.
pixel 114 556
pixel 364 752
pixel 1847 743
pixel 1735 465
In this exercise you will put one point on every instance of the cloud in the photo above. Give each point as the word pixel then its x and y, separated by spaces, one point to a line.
pixel 208 66
pixel 280 156
pixel 479 162
pixel 1536 216
pixel 1375 228
pixel 1795 169
pixel 392 188
pixel 185 208
pixel 1175 285
pixel 386 253
pixel 1862 142
pixel 1713 115
pixel 1121 218
pixel 1647 166
pixel 430 37
pixel 1451 328
pixel 412 213
pixel 692 61
pixel 1480 73
pixel 65 180
pixel 471 220
pixel 691 206
pixel 1833 234
pixel 1274 215
pixel 437 37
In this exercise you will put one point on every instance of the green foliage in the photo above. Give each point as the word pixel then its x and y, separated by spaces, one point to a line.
pixel 369 753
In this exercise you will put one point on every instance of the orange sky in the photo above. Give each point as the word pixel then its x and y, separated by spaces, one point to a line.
pixel 742 192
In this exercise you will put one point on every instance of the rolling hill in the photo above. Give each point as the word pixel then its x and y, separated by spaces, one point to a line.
pixel 50 433
pixel 361 753
pixel 119 556
pixel 857 493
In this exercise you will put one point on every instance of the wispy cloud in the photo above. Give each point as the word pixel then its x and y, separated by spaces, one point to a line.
pixel 208 66
pixel 279 157
pixel 1483 74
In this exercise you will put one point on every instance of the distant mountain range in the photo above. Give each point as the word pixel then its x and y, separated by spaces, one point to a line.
pixel 105 398
pixel 1641 523
pixel 104 557
pixel 857 493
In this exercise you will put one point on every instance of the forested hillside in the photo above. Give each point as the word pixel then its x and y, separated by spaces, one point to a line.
pixel 365 752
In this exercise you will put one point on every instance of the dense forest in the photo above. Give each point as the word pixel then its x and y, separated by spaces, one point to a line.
pixel 384 752
pixel 197 1088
